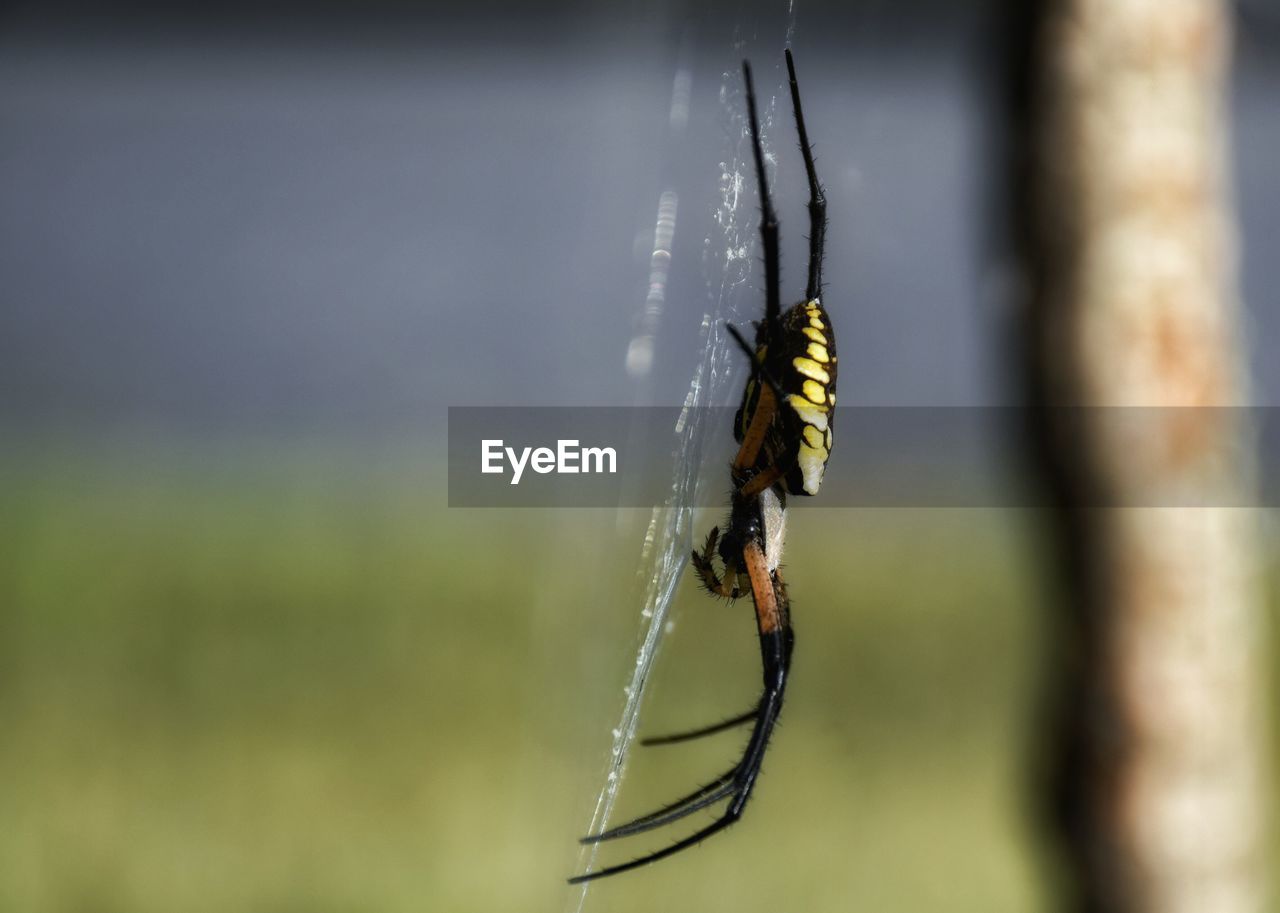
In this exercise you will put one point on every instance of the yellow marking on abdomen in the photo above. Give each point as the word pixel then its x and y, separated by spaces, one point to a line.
pixel 809 413
pixel 810 368
pixel 813 463
pixel 814 392
pixel 818 352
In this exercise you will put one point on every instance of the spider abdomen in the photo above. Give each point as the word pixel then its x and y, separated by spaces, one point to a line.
pixel 799 355
pixel 807 374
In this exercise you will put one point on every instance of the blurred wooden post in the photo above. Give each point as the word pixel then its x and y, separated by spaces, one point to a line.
pixel 1160 784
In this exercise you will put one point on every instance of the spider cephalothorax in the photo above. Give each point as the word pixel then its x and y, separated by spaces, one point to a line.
pixel 784 433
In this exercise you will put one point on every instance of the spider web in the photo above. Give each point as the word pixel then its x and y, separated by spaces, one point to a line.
pixel 730 265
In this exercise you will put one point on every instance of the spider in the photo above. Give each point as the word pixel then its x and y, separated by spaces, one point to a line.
pixel 783 428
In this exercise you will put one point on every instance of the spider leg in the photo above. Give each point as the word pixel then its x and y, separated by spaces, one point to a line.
pixel 691 734
pixel 737 784
pixel 768 219
pixel 776 642
pixel 757 369
pixel 727 586
pixel 753 438
pixel 764 480
pixel 700 798
pixel 743 781
pixel 755 435
pixel 695 838
pixel 817 198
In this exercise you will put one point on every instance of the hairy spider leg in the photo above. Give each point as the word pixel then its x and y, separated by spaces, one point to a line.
pixel 768 219
pixel 736 784
pixel 731 585
pixel 690 734
pixel 758 370
pixel 761 420
pixel 817 198
pixel 732 722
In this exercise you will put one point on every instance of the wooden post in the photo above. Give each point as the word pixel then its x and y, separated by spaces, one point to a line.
pixel 1159 777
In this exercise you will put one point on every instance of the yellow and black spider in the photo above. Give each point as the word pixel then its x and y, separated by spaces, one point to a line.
pixel 783 429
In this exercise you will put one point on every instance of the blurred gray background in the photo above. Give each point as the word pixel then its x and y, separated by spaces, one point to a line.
pixel 352 215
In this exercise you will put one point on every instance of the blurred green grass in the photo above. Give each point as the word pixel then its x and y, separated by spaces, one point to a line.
pixel 285 686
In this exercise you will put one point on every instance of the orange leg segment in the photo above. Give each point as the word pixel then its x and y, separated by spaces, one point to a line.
pixel 753 440
pixel 768 612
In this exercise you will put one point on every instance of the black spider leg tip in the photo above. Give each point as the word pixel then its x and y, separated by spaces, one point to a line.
pixel 700 798
pixel 757 369
pixel 689 735
pixel 817 198
pixel 736 783
pixel 768 219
